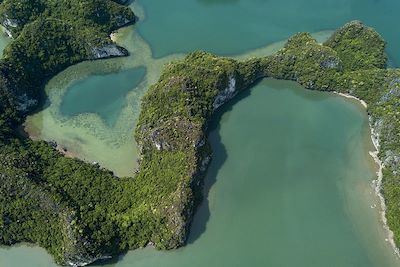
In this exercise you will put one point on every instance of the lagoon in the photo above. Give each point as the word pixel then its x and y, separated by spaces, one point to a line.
pixel 104 95
pixel 290 183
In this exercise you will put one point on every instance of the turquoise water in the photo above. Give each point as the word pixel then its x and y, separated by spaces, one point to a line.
pixel 233 26
pixel 290 182
pixel 289 185
pixel 104 95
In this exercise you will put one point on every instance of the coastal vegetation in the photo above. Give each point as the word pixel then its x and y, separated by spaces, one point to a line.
pixel 199 84
pixel 81 213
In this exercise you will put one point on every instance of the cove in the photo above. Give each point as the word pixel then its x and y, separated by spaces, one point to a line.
pixel 241 234
pixel 289 185
pixel 227 27
pixel 104 95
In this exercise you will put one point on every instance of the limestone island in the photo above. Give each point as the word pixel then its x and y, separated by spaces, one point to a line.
pixel 81 213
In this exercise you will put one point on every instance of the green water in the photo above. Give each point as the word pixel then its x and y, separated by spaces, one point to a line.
pixel 290 182
pixel 234 26
pixel 289 185
pixel 104 95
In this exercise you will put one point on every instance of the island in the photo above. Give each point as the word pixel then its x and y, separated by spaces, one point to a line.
pixel 81 213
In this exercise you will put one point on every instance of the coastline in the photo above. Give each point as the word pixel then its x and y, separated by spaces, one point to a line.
pixel 177 129
pixel 377 183
pixel 378 186
pixel 362 102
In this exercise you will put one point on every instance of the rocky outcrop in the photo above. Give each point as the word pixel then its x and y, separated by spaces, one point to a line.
pixel 25 104
pixel 10 25
pixel 123 21
pixel 228 93
pixel 109 50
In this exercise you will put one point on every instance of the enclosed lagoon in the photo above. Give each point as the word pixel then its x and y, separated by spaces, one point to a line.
pixel 290 183
pixel 91 108
pixel 104 95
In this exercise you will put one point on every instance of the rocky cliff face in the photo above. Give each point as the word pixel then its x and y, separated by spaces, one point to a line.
pixel 228 93
pixel 109 50
pixel 10 25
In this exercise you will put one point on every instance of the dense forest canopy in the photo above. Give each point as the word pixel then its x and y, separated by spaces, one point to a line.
pixel 81 213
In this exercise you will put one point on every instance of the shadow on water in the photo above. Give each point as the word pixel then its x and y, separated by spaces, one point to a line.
pixel 219 156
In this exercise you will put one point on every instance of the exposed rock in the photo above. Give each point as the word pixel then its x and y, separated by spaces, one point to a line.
pixel 10 24
pixel 25 104
pixel 122 21
pixel 330 63
pixel 109 50
pixel 228 93
pixel 204 163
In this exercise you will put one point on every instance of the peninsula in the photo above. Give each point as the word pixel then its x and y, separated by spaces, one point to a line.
pixel 81 213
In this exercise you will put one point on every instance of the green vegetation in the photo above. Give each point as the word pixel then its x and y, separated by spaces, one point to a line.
pixel 46 198
pixel 359 47
pixel 352 61
pixel 81 213
pixel 51 35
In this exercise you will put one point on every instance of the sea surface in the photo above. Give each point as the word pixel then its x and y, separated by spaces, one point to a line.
pixel 290 183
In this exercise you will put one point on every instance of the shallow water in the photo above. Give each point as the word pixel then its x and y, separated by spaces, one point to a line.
pixel 290 183
pixel 105 134
pixel 104 95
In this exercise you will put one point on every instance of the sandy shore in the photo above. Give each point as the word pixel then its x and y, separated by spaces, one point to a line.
pixel 378 182
pixel 353 97
pixel 114 37
pixel 378 187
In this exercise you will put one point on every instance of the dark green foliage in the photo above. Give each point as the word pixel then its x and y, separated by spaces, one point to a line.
pixel 52 35
pixel 46 198
pixel 101 14
pixel 79 212
pixel 358 47
pixel 305 61
pixel 351 62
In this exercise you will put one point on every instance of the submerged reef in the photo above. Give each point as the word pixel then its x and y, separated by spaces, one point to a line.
pixel 81 213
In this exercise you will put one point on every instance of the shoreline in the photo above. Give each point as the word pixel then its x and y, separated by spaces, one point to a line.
pixel 362 102
pixel 114 36
pixel 377 183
